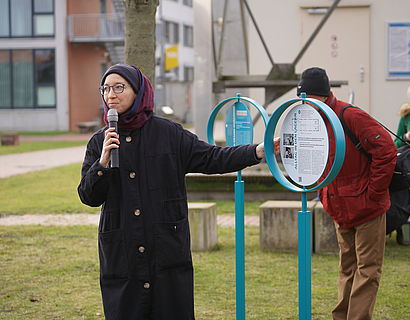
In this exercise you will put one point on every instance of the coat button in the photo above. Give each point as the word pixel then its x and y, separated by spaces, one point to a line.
pixel 146 285
pixel 132 174
pixel 141 249
pixel 100 173
pixel 137 212
pixel 128 139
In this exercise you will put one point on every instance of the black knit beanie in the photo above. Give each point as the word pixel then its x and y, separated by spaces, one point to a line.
pixel 314 82
pixel 129 73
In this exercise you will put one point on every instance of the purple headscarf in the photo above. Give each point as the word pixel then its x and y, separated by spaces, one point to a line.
pixel 142 108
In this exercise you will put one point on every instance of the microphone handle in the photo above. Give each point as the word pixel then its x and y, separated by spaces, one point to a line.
pixel 115 156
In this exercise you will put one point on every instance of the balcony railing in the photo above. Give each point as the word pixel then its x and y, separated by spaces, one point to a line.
pixel 96 27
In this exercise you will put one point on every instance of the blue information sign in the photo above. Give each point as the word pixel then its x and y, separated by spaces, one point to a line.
pixel 238 131
pixel 238 125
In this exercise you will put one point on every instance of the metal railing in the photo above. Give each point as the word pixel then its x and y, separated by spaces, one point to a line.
pixel 96 27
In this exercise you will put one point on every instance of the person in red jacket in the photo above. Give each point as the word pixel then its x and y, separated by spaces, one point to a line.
pixel 357 200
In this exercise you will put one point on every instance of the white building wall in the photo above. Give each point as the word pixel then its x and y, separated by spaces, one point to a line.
pixel 176 11
pixel 46 119
pixel 386 95
pixel 61 66
pixel 177 92
pixel 280 23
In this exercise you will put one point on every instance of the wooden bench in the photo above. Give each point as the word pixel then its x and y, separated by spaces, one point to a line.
pixel 88 126
pixel 10 139
pixel 203 225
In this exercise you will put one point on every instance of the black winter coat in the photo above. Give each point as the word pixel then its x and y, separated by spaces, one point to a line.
pixel 144 243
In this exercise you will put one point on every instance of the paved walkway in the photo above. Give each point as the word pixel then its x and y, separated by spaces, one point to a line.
pixel 59 137
pixel 227 220
pixel 18 163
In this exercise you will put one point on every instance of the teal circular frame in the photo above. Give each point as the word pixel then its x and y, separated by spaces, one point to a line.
pixel 339 139
pixel 215 111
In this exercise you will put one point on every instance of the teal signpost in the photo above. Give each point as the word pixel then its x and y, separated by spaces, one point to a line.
pixel 304 153
pixel 238 131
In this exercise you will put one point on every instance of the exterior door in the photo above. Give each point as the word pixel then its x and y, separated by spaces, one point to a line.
pixel 342 47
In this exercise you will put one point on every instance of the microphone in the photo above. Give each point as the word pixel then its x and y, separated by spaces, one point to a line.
pixel 112 118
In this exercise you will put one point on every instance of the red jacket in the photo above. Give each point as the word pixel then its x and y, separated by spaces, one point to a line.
pixel 360 191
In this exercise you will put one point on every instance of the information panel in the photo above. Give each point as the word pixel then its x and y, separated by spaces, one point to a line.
pixel 304 144
pixel 399 50
pixel 238 126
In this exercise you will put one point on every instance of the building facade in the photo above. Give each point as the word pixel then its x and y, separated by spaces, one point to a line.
pixel 33 86
pixel 53 54
pixel 366 43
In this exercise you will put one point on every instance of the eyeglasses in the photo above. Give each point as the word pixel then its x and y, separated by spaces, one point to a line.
pixel 117 88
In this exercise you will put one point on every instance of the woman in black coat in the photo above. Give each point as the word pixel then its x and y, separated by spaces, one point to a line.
pixel 144 242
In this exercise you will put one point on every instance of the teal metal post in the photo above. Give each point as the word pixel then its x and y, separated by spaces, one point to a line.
pixel 239 196
pixel 304 216
pixel 240 247
pixel 304 261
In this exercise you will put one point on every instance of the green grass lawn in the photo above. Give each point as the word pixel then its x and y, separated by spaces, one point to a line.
pixel 46 133
pixel 52 273
pixel 41 192
pixel 55 191
pixel 39 145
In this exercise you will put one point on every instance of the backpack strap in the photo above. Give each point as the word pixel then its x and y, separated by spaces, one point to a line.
pixel 350 134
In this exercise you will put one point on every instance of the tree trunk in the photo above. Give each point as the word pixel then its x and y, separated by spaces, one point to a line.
pixel 140 35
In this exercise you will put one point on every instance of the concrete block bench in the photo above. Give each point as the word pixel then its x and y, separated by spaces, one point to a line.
pixel 279 227
pixel 203 225
pixel 324 239
pixel 279 224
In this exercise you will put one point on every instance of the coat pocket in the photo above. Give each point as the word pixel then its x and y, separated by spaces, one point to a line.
pixel 111 250
pixel 356 203
pixel 172 244
pixel 354 188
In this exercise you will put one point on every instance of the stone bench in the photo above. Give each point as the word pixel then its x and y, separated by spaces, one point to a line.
pixel 279 227
pixel 260 185
pixel 203 225
pixel 324 239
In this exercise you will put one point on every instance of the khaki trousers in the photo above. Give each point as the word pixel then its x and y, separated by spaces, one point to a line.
pixel 361 258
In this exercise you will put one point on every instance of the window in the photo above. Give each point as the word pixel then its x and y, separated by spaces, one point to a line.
pixel 188 73
pixel 103 6
pixel 27 78
pixel 45 78
pixel 171 32
pixel 26 18
pixel 5 76
pixel 103 67
pixel 172 74
pixel 22 78
pixel 188 36
pixel 188 3
pixel 4 18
